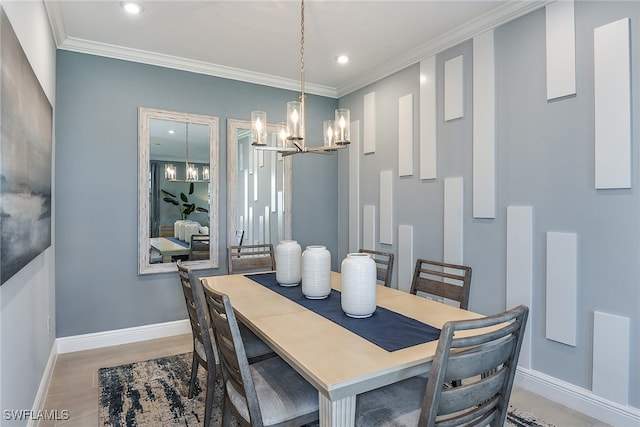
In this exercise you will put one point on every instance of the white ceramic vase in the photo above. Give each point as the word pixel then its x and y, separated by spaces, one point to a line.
pixel 288 259
pixel 358 298
pixel 316 272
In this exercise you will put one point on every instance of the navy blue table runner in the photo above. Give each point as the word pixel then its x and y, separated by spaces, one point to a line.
pixel 178 241
pixel 385 328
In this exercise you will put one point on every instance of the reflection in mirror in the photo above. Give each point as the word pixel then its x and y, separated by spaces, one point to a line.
pixel 177 190
pixel 258 189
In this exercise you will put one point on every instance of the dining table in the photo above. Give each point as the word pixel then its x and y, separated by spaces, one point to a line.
pixel 169 247
pixel 337 361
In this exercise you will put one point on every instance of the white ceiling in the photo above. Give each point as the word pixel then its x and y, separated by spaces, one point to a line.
pixel 259 41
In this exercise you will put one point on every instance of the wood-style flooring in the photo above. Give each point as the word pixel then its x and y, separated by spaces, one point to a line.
pixel 74 384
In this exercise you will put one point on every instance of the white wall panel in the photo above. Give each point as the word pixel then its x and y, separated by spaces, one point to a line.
pixel 369 132
pixel 562 284
pixel 386 207
pixel 453 88
pixel 561 49
pixel 611 374
pixel 406 262
pixel 520 268
pixel 273 181
pixel 612 105
pixel 484 128
pixel 453 220
pixel 428 119
pixel 405 135
pixel 368 227
pixel 354 187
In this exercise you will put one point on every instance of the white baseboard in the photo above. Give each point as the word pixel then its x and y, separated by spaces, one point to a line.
pixel 122 336
pixel 41 395
pixel 577 398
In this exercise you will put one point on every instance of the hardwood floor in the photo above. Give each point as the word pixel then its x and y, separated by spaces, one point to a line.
pixel 74 385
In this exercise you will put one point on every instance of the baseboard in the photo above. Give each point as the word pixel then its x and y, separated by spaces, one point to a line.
pixel 41 395
pixel 577 398
pixel 122 336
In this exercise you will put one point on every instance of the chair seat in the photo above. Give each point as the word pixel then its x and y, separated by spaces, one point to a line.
pixel 253 345
pixel 282 393
pixel 396 405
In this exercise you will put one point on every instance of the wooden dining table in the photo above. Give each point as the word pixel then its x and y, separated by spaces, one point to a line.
pixel 339 363
pixel 168 248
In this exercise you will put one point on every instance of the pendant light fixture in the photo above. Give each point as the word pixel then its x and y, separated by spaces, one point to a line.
pixel 291 136
pixel 191 170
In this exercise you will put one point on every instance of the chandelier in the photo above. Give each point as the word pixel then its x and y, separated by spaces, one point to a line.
pixel 192 173
pixel 291 136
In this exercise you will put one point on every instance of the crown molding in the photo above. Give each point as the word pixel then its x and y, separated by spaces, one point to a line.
pixel 508 12
pixel 512 10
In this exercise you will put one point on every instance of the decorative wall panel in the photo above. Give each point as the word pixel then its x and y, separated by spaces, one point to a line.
pixel 386 207
pixel 611 336
pixel 520 268
pixel 354 187
pixel 561 287
pixel 405 263
pixel 612 98
pixel 428 119
pixel 368 227
pixel 453 89
pixel 561 49
pixel 484 127
pixel 405 135
pixel 369 133
pixel 453 220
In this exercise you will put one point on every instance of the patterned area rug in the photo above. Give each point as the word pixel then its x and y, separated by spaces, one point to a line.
pixel 155 393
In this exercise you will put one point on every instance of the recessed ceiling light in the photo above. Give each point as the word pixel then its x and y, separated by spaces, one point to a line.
pixel 171 131
pixel 342 59
pixel 131 7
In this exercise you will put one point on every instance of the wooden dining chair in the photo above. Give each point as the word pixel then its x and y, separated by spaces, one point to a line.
pixel 199 247
pixel 266 393
pixel 204 344
pixel 165 231
pixel 247 258
pixel 384 265
pixel 444 280
pixel 485 356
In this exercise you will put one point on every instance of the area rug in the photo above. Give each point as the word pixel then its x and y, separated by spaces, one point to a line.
pixel 155 393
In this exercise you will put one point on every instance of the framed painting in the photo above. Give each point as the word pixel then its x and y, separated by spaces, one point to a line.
pixel 26 121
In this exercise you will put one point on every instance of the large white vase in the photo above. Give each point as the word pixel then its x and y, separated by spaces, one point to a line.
pixel 316 272
pixel 358 298
pixel 288 258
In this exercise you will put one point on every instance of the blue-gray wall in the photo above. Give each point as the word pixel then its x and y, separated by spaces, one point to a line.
pixel 97 286
pixel 545 159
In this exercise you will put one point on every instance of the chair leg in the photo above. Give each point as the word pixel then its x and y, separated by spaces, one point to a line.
pixel 211 385
pixel 194 373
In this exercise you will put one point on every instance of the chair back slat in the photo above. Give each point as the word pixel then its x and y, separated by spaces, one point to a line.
pixel 248 258
pixel 484 360
pixel 450 281
pixel 384 265
pixel 199 247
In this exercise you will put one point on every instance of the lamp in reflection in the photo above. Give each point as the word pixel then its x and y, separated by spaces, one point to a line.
pixel 191 171
pixel 337 133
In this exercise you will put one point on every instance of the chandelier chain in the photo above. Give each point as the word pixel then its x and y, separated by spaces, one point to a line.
pixel 302 50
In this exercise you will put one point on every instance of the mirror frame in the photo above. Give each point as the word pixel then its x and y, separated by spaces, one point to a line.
pixel 232 180
pixel 144 116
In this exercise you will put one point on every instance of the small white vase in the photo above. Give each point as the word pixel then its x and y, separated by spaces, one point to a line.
pixel 358 297
pixel 316 272
pixel 288 258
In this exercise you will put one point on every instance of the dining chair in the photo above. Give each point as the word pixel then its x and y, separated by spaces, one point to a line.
pixel 265 393
pixel 247 258
pixel 384 265
pixel 445 280
pixel 199 247
pixel 165 231
pixel 204 344
pixel 484 353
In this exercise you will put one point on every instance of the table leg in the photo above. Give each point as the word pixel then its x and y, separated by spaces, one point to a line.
pixel 337 413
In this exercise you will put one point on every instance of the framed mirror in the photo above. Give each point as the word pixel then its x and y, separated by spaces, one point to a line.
pixel 177 190
pixel 258 189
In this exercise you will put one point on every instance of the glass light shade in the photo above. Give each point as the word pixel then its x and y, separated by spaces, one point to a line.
pixel 259 128
pixel 343 126
pixel 327 131
pixel 282 135
pixel 205 173
pixel 169 171
pixel 192 172
pixel 295 120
